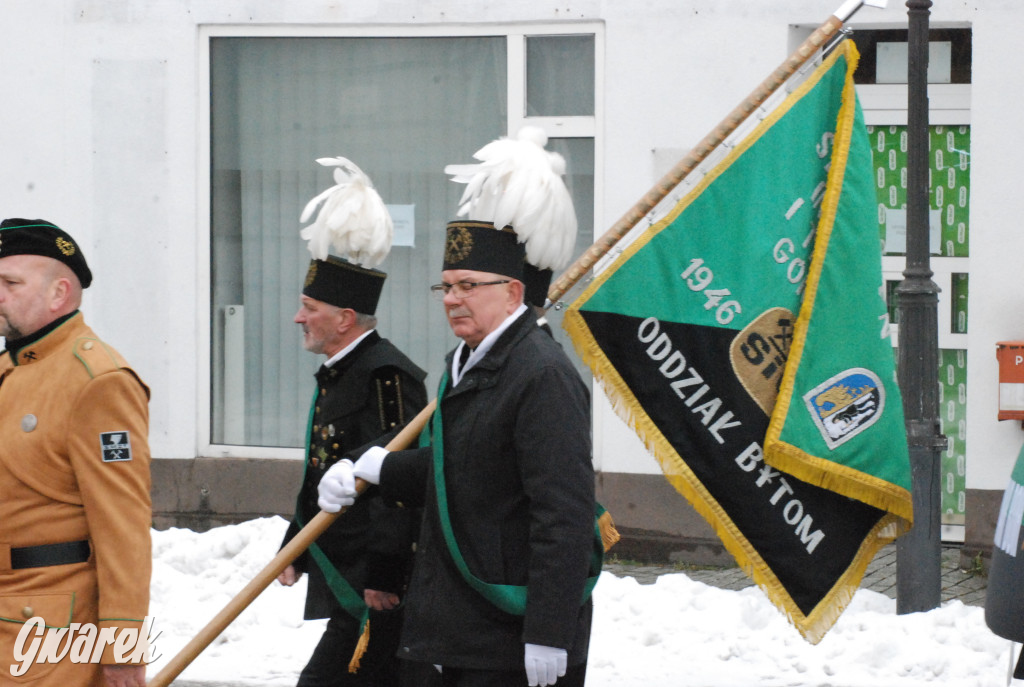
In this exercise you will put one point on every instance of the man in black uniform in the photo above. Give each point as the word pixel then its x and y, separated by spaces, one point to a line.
pixel 360 565
pixel 507 556
pixel 499 595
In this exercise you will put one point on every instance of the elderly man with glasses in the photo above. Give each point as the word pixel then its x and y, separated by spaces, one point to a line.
pixel 499 593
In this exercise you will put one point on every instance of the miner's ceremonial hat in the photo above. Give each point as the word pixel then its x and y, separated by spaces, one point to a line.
pixel 517 187
pixel 352 219
pixel 344 284
pixel 478 246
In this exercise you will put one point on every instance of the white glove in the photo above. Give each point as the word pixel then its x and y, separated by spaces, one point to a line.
pixel 337 488
pixel 544 664
pixel 368 466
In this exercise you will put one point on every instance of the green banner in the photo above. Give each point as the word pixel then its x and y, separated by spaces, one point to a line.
pixel 693 329
pixel 838 419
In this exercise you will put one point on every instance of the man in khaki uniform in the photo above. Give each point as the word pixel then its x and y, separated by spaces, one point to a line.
pixel 75 508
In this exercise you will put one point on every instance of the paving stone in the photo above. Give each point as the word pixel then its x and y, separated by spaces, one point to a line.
pixel 967 586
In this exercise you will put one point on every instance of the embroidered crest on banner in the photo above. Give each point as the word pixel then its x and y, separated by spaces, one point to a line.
pixel 759 353
pixel 116 446
pixel 846 405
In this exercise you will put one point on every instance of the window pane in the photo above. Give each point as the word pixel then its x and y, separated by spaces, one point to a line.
pixel 579 178
pixel 958 303
pixel 949 169
pixel 876 47
pixel 400 108
pixel 953 424
pixel 559 76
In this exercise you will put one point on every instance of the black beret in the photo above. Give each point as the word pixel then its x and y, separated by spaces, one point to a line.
pixel 344 284
pixel 478 246
pixel 39 237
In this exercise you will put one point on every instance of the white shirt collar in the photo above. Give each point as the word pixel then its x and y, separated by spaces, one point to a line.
pixel 480 351
pixel 348 349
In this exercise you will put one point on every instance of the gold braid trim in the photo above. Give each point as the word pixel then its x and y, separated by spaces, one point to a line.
pixel 609 535
pixel 357 655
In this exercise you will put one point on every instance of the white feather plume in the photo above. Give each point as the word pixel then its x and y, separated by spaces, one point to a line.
pixel 519 183
pixel 353 220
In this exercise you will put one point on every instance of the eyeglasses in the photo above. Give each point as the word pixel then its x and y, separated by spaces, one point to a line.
pixel 461 289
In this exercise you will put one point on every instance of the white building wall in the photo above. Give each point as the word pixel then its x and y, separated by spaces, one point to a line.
pixel 997 242
pixel 100 123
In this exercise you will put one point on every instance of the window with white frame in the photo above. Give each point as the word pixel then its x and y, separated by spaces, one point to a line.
pixel 399 106
pixel 882 87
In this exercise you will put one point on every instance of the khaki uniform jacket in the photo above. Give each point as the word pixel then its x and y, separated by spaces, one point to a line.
pixel 74 465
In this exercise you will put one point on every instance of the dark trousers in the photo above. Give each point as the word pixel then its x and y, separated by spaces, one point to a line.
pixel 379 667
pixel 575 676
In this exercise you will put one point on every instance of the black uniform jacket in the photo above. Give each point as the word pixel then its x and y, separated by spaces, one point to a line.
pixel 520 484
pixel 372 390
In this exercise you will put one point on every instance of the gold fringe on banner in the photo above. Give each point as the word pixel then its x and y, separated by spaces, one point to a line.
pixel 814 625
pixel 792 459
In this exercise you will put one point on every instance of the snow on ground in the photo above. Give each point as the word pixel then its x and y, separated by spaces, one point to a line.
pixel 671 633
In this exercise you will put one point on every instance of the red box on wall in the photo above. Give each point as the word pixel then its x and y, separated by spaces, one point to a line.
pixel 1010 355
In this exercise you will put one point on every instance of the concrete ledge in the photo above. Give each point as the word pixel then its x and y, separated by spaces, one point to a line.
pixel 982 506
pixel 200 493
pixel 657 524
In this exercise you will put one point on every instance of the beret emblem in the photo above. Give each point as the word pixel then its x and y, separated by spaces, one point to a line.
pixel 65 246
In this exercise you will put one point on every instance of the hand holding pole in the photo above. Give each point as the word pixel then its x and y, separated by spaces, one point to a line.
pixel 305 537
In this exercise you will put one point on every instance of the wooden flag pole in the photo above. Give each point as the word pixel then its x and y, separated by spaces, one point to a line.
pixel 821 36
pixel 302 540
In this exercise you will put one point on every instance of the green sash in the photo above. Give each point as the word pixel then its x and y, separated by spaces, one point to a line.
pixel 346 596
pixel 509 598
pixel 343 592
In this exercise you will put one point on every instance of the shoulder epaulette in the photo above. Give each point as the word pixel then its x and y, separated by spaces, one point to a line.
pixel 96 356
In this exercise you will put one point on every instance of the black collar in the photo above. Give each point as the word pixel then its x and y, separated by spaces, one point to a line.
pixel 15 345
pixel 332 372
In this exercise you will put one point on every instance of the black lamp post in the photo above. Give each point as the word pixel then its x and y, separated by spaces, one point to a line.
pixel 919 553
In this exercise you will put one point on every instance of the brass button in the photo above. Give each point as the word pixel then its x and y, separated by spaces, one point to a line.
pixel 28 612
